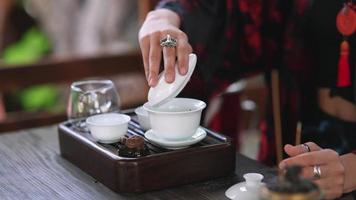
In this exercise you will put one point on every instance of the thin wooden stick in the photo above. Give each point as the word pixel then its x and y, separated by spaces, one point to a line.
pixel 277 115
pixel 298 133
pixel 2 108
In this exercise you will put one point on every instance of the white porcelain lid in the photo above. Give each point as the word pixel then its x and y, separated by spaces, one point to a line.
pixel 247 190
pixel 164 91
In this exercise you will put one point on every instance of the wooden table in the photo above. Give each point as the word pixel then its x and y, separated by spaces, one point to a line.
pixel 31 168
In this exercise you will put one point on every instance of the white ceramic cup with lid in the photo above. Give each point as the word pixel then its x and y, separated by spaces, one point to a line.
pixel 178 119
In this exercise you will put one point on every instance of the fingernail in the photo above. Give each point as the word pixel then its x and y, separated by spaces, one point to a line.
pixel 184 70
pixel 149 77
pixel 169 78
pixel 151 81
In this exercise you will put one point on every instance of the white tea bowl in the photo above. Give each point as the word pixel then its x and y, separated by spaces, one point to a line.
pixel 178 119
pixel 108 127
pixel 143 118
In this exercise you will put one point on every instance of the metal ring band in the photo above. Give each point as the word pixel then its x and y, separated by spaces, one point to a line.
pixel 316 171
pixel 306 147
pixel 168 41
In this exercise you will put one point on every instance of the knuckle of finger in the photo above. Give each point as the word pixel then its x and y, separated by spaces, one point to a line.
pixel 169 66
pixel 182 35
pixel 183 48
pixel 332 154
pixel 190 49
pixel 340 169
pixel 155 33
pixel 154 58
pixel 166 31
pixel 153 68
pixel 311 143
pixel 143 39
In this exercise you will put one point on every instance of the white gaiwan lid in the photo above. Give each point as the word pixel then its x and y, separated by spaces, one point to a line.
pixel 164 91
pixel 247 190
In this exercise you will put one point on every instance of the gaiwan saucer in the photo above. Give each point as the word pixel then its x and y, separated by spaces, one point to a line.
pixel 199 135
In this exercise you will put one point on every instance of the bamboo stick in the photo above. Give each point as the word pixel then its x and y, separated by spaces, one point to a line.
pixel 298 133
pixel 277 115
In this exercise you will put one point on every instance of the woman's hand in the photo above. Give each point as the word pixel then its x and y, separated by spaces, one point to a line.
pixel 158 25
pixel 332 176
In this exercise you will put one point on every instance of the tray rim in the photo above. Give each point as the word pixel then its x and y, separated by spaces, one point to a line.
pixel 111 155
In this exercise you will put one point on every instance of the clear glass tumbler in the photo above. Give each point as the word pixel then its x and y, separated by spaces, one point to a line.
pixel 91 97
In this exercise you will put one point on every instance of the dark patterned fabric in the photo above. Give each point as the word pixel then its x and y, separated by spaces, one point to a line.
pixel 252 35
pixel 259 35
pixel 330 132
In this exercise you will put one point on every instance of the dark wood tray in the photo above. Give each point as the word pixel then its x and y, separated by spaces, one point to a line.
pixel 211 158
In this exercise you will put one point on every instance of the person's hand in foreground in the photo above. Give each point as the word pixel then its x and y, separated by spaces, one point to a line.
pixel 160 25
pixel 334 174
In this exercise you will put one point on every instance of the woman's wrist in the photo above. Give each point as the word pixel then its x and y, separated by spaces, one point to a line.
pixel 165 16
pixel 349 162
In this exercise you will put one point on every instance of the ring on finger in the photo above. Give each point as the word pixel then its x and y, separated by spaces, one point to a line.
pixel 316 171
pixel 306 147
pixel 168 41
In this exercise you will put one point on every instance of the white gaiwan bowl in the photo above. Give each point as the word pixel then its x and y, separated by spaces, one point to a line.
pixel 178 119
pixel 143 118
pixel 108 127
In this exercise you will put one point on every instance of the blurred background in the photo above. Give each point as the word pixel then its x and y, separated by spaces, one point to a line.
pixel 44 35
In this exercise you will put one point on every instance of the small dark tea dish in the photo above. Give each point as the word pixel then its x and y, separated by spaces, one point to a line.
pixel 132 147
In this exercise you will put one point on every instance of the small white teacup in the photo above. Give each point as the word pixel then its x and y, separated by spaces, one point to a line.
pixel 143 118
pixel 177 119
pixel 109 127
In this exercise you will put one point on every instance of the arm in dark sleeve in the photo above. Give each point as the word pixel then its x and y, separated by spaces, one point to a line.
pixel 199 18
pixel 204 22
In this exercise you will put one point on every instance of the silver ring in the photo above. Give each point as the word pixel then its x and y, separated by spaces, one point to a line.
pixel 316 171
pixel 168 41
pixel 306 147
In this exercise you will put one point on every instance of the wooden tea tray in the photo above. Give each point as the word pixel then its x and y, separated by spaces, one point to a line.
pixel 210 158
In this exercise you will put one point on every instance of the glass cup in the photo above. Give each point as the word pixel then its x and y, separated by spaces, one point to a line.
pixel 91 97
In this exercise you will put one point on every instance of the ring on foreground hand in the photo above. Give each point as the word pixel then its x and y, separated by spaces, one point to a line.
pixel 306 147
pixel 168 41
pixel 316 171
